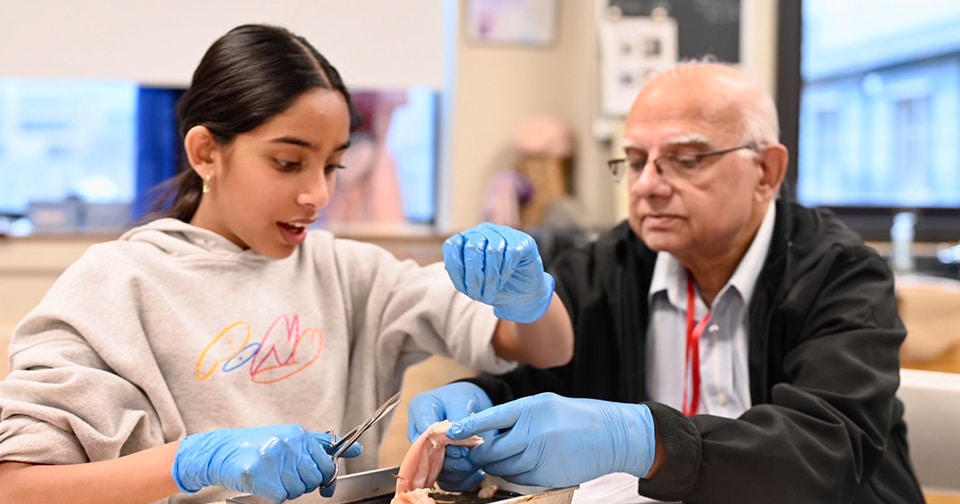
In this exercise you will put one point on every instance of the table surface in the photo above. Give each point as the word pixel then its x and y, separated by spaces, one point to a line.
pixel 935 498
pixel 932 498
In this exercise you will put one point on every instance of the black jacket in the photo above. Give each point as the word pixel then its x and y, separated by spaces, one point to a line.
pixel 824 340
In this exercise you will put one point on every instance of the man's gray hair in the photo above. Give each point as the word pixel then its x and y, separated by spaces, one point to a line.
pixel 760 122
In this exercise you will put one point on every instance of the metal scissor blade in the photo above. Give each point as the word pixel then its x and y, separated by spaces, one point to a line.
pixel 351 437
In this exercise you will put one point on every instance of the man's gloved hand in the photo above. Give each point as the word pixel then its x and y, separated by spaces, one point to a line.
pixel 449 402
pixel 277 462
pixel 553 441
pixel 500 266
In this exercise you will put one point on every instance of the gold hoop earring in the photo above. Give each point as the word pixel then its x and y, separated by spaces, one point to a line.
pixel 206 183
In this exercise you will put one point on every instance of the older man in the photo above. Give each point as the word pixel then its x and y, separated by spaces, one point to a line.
pixel 731 347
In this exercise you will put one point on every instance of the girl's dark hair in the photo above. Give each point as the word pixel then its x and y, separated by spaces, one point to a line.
pixel 247 76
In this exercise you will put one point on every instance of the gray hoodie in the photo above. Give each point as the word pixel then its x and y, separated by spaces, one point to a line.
pixel 172 330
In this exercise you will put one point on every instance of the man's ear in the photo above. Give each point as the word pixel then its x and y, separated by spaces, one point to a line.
pixel 200 147
pixel 773 169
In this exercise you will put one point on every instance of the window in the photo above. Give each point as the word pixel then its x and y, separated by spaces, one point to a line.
pixel 912 155
pixel 64 144
pixel 83 155
pixel 871 111
pixel 826 151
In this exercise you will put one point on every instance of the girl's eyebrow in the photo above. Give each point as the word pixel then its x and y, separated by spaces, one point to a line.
pixel 299 142
pixel 294 141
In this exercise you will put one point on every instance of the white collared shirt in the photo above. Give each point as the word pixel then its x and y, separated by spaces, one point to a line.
pixel 724 369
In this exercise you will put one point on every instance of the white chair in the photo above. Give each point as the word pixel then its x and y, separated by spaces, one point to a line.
pixel 932 403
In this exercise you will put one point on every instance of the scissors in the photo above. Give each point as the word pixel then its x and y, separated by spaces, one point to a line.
pixel 351 437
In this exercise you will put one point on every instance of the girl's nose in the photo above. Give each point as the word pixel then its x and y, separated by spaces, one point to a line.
pixel 315 192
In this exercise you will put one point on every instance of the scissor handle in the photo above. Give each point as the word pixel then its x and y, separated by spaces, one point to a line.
pixel 344 443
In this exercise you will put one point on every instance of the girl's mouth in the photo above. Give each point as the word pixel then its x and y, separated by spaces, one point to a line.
pixel 293 233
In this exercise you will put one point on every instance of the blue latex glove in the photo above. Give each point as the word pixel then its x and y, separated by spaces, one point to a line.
pixel 449 402
pixel 277 462
pixel 500 266
pixel 553 441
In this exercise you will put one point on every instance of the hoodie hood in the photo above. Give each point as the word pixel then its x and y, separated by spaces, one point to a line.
pixel 182 239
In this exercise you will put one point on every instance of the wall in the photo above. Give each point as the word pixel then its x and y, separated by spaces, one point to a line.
pixel 159 43
pixel 496 87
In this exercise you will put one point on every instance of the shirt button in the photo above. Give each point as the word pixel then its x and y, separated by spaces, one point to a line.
pixel 714 328
pixel 722 399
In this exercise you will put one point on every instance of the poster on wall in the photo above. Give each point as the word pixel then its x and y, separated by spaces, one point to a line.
pixel 523 22
pixel 631 50
pixel 640 38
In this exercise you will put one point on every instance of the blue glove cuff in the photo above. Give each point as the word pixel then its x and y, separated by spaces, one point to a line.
pixel 533 311
pixel 183 476
pixel 641 443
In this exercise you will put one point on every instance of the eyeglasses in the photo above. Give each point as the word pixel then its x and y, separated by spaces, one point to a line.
pixel 671 166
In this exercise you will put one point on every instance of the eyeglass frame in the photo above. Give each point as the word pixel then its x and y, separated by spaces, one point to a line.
pixel 619 166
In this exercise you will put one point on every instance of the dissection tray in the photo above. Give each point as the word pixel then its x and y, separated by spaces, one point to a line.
pixel 376 487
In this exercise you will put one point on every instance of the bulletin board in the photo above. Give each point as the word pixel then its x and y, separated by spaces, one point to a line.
pixel 704 26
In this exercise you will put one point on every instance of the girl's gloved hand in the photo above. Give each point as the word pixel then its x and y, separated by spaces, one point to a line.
pixel 554 441
pixel 449 402
pixel 500 266
pixel 277 462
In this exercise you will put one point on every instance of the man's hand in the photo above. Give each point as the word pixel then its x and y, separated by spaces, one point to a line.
pixel 554 441
pixel 450 402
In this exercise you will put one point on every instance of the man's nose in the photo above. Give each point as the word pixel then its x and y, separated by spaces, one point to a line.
pixel 649 181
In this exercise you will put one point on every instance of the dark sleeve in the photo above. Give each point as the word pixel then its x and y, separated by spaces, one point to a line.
pixel 824 431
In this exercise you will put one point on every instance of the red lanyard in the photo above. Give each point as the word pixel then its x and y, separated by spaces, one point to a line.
pixel 692 357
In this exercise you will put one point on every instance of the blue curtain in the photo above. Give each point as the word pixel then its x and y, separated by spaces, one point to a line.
pixel 158 143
